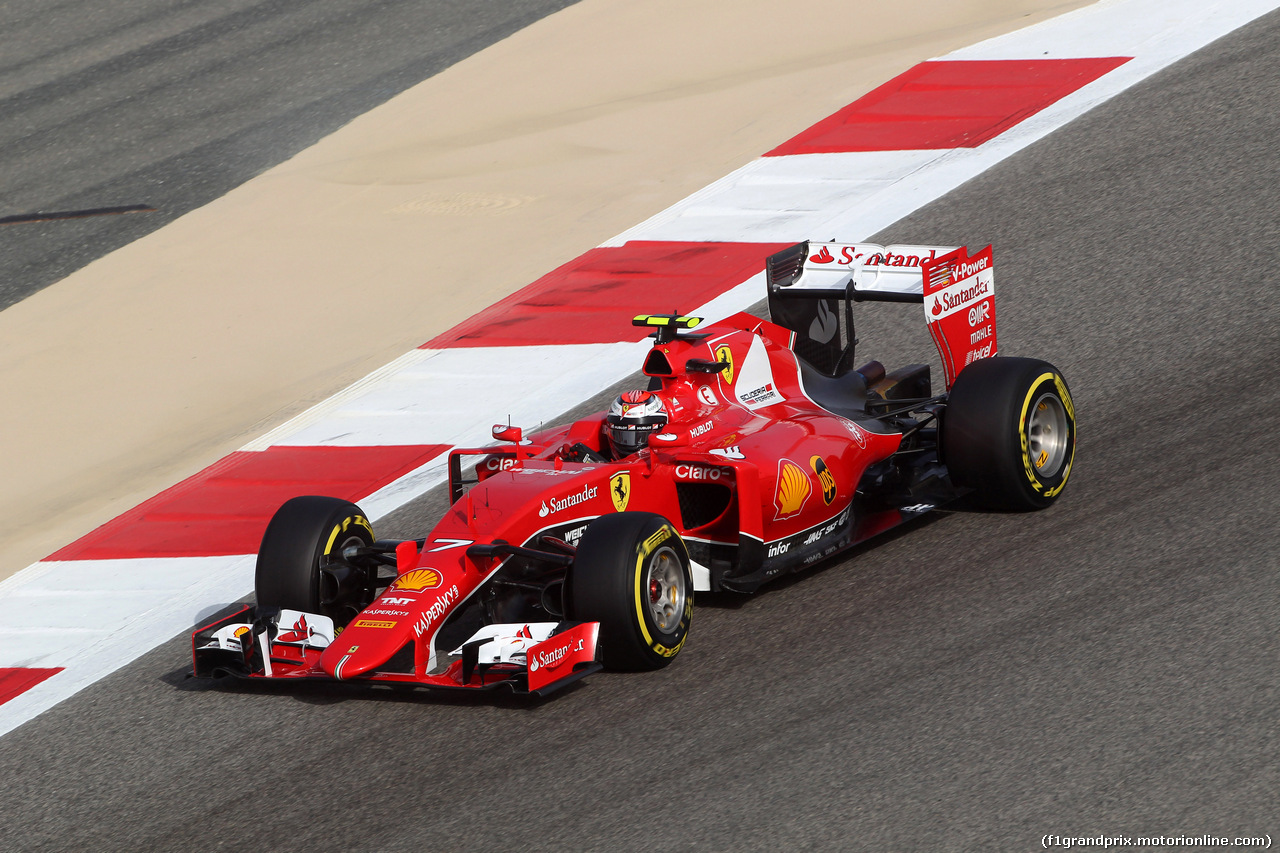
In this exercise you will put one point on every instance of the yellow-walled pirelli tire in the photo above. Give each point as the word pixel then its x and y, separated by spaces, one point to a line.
pixel 307 534
pixel 631 574
pixel 1009 432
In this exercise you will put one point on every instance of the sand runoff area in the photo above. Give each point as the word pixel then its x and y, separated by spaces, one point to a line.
pixel 155 361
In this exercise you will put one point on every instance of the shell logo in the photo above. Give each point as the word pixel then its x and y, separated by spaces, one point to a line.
pixel 417 580
pixel 793 489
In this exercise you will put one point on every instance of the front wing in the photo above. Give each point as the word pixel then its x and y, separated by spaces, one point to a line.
pixel 536 658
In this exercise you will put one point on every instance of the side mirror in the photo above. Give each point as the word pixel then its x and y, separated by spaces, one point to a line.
pixel 670 439
pixel 406 556
pixel 503 432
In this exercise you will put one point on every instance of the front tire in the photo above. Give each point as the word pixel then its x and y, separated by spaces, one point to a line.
pixel 1009 432
pixel 299 563
pixel 632 574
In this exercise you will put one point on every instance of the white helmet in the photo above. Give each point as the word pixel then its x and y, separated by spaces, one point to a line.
pixel 633 417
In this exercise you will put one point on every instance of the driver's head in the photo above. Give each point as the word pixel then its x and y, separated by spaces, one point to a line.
pixel 633 417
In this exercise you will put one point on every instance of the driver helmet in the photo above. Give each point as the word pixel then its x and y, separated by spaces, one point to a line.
pixel 633 417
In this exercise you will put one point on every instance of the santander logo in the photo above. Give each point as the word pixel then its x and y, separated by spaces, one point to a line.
pixel 550 659
pixel 587 493
pixel 823 257
pixel 959 299
pixel 953 298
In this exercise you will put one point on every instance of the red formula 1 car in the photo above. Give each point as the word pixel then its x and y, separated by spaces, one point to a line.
pixel 757 450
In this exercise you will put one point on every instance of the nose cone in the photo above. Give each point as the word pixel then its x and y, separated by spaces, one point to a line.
pixel 366 644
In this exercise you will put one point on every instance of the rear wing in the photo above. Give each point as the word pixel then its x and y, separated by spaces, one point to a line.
pixel 812 288
pixel 860 272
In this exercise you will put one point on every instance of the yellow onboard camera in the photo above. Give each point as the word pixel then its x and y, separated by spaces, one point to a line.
pixel 665 325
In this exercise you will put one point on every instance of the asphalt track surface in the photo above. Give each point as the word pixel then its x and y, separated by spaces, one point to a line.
pixel 170 104
pixel 1105 667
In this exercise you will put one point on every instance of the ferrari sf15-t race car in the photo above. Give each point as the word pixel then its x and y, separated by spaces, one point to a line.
pixel 757 450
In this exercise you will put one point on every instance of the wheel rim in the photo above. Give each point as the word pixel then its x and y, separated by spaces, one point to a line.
pixel 667 593
pixel 1048 433
pixel 336 554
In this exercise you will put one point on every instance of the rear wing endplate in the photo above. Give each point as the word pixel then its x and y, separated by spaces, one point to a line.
pixel 960 308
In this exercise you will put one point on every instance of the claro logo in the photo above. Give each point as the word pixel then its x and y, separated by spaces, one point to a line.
pixel 701 472
pixel 500 463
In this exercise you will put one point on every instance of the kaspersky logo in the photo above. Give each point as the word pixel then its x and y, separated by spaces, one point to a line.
pixel 436 610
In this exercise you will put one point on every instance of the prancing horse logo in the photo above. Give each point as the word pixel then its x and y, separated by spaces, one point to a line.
pixel 620 490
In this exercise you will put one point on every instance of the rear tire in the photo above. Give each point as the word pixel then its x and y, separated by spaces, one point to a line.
pixel 305 536
pixel 631 574
pixel 1009 432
